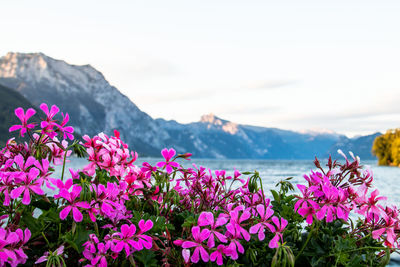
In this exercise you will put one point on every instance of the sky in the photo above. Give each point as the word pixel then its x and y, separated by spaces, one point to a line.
pixel 298 65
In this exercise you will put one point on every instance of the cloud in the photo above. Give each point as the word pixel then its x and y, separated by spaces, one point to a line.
pixel 153 67
pixel 199 94
pixel 250 110
pixel 268 84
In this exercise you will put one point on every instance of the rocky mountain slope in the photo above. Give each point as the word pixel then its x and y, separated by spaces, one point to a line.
pixel 96 106
pixel 9 100
pixel 93 104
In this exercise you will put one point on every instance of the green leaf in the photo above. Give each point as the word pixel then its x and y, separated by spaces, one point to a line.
pixel 41 204
pixel 275 195
pixel 189 222
pixel 146 257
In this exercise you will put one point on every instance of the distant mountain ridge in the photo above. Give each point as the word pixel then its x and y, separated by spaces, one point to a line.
pixel 96 106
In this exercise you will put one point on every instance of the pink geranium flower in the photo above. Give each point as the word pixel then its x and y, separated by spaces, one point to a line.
pixel 388 228
pixel 207 218
pixel 168 154
pixel 73 203
pixel 265 214
pixel 28 184
pixel 66 130
pixel 24 117
pixel 125 240
pixel 236 220
pixel 48 124
pixel 218 255
pixel 199 237
pixel 280 226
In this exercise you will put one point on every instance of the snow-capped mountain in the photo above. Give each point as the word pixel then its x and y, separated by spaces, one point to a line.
pixel 96 106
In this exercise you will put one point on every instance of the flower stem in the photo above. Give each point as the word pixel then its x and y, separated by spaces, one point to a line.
pixel 63 168
pixel 307 240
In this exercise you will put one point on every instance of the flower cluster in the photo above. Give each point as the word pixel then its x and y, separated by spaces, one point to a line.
pixel 128 239
pixel 12 245
pixel 343 189
pixel 215 239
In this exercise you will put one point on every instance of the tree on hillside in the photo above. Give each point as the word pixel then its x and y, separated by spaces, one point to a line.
pixel 387 148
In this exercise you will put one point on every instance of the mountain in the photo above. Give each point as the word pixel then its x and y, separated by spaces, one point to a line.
pixel 215 137
pixel 93 104
pixel 9 100
pixel 96 106
pixel 360 146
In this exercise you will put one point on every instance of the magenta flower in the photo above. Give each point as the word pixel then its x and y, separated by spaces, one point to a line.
pixel 307 212
pixel 28 184
pixel 144 240
pixel 219 254
pixel 74 203
pixel 6 184
pixel 48 124
pixel 24 117
pixel 168 155
pixel 125 240
pixel 236 220
pixel 43 166
pixel 100 258
pixel 265 214
pixel 234 246
pixel 207 218
pixel 199 237
pixel 306 200
pixel 387 228
pixel 11 246
pixel 368 206
pixel 330 194
pixel 280 226
pixel 66 130
pixel 147 169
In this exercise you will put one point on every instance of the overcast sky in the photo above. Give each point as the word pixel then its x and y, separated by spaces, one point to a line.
pixel 297 65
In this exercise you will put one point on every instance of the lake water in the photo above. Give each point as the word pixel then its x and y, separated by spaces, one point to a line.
pixel 386 179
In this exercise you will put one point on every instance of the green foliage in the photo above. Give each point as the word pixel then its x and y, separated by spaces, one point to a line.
pixel 387 148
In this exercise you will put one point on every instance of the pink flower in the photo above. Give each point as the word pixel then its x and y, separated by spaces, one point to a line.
pixel 48 124
pixel 306 200
pixel 280 226
pixel 11 246
pixel 307 212
pixel 265 214
pixel 368 206
pixel 199 237
pixel 207 218
pixel 147 169
pixel 28 184
pixel 168 155
pixel 388 228
pixel 126 239
pixel 219 253
pixel 43 166
pixel 24 126
pixel 66 130
pixel 74 203
pixel 235 222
